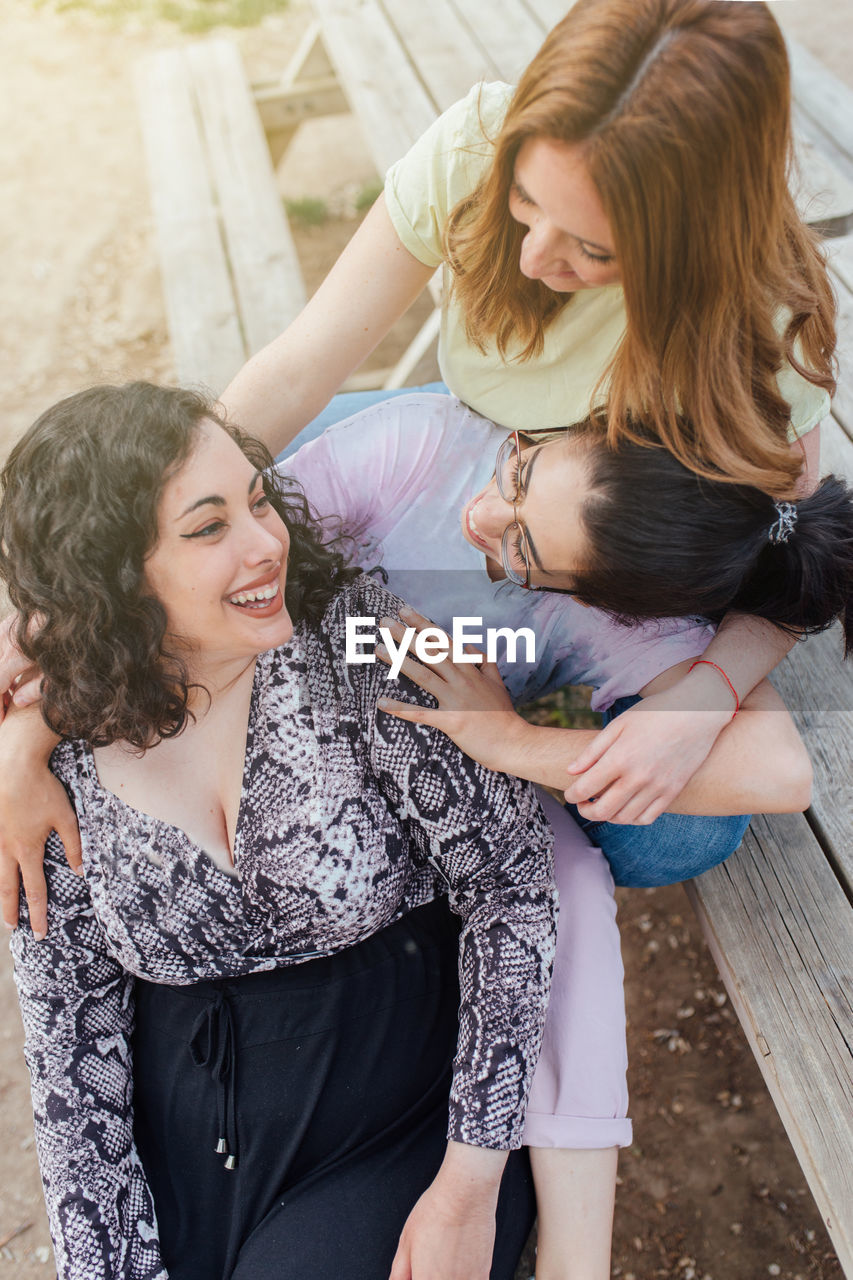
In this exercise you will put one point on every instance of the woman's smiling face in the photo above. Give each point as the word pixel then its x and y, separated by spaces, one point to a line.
pixel 553 483
pixel 220 563
pixel 569 244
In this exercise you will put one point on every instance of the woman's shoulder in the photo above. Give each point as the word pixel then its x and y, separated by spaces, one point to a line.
pixel 331 666
pixel 479 115
pixel 362 603
pixel 470 121
pixel 67 761
pixel 443 167
pixel 329 652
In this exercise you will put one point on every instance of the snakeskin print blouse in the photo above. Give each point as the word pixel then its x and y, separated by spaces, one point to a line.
pixel 348 819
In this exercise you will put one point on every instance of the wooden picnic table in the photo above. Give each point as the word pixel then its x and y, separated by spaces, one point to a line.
pixel 778 915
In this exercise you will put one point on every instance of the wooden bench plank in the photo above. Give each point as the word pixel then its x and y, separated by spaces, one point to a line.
pixel 549 12
pixel 842 406
pixel 781 931
pixel 777 916
pixel 823 195
pixel 207 344
pixel 817 685
pixel 264 266
pixel 449 60
pixel 840 254
pixel 283 107
pixel 823 107
pixel 507 33
pixel 377 77
pixel 836 451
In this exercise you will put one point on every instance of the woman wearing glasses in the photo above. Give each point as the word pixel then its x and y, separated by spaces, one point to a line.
pixel 466 520
pixel 616 233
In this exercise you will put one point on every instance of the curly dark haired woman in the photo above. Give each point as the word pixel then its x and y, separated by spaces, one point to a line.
pixel 246 1020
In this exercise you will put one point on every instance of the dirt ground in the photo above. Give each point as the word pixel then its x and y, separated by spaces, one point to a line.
pixel 710 1190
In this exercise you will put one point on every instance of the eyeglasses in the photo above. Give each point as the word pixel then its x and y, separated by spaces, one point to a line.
pixel 515 556
pixel 515 553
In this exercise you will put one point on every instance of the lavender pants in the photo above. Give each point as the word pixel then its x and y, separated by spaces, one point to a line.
pixel 579 1096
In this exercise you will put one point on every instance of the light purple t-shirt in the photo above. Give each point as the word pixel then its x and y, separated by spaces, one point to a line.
pixel 398 476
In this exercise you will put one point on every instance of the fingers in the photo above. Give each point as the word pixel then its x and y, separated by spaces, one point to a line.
pixel 28 689
pixel 596 749
pixel 10 891
pixel 447 654
pixel 489 669
pixel 69 834
pixel 596 781
pixel 425 677
pixel 14 869
pixel 408 711
pixel 401 1267
pixel 652 813
pixel 620 806
pixel 414 619
pixel 35 888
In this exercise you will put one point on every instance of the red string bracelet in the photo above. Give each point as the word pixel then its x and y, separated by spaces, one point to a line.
pixel 709 663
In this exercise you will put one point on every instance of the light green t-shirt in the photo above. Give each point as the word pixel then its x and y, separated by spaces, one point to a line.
pixel 552 389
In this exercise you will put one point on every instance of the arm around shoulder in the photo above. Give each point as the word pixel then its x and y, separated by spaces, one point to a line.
pixel 32 804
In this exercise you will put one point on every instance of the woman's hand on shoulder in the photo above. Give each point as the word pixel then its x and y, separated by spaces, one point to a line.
pixel 644 758
pixel 474 708
pixel 32 804
pixel 19 680
pixel 450 1233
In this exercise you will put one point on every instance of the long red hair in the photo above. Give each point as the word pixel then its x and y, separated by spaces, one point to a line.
pixel 683 110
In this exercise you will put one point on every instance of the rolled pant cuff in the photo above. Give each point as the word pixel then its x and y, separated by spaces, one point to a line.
pixel 575 1132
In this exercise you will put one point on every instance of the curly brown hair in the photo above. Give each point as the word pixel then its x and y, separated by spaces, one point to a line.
pixel 78 517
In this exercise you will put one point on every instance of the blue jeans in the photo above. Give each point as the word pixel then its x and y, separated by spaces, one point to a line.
pixel 344 406
pixel 677 846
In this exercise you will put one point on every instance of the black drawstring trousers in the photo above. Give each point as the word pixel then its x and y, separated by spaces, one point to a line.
pixel 288 1120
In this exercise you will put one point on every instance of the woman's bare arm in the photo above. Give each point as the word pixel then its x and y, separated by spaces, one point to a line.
pixel 757 764
pixel 373 282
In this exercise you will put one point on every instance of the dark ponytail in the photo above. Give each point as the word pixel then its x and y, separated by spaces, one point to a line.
pixel 806 581
pixel 665 542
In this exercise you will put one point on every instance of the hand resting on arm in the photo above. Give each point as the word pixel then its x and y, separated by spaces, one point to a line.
pixel 757 764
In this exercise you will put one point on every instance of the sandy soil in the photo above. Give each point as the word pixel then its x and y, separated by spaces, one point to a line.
pixel 710 1190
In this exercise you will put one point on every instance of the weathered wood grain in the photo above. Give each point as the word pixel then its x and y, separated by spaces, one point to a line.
pixel 842 405
pixel 818 688
pixel 817 684
pixel 207 343
pixel 377 75
pixel 230 273
pixel 781 931
pixel 823 194
pixel 265 269
pixel 824 106
pixel 449 61
pixel 549 12
pixel 508 33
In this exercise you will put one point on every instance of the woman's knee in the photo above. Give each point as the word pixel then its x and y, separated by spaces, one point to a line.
pixel 673 848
